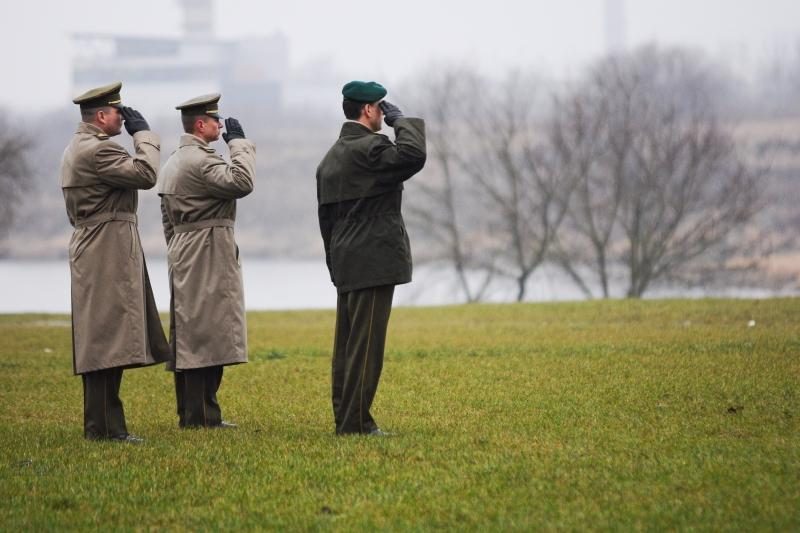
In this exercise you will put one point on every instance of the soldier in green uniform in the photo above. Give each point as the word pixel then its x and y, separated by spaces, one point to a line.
pixel 359 194
pixel 115 323
pixel 198 191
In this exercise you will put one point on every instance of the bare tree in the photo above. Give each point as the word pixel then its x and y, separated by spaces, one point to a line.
pixel 578 133
pixel 438 206
pixel 500 195
pixel 525 185
pixel 14 173
pixel 661 185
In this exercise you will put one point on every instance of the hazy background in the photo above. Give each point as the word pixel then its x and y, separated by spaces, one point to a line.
pixel 390 40
pixel 280 67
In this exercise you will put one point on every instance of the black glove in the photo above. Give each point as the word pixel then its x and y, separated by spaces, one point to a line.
pixel 134 121
pixel 390 113
pixel 233 130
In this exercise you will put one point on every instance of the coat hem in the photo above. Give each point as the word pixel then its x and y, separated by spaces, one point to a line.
pixel 374 283
pixel 122 366
pixel 195 367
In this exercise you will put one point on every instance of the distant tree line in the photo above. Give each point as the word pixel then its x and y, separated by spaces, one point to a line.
pixel 627 174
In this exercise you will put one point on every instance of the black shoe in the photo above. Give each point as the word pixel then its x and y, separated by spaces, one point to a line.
pixel 127 438
pixel 224 425
pixel 377 432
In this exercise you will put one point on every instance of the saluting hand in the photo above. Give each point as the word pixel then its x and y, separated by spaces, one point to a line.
pixel 390 113
pixel 134 121
pixel 233 130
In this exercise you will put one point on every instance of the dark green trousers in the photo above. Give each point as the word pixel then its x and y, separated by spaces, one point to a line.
pixel 361 320
pixel 103 415
pixel 196 395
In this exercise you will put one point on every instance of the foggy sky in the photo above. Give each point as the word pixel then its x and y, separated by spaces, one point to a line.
pixel 387 41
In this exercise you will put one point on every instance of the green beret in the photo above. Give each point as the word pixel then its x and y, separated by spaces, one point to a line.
pixel 201 105
pixel 364 91
pixel 107 95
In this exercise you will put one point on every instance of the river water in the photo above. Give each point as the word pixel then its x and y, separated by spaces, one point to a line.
pixel 32 286
pixel 43 286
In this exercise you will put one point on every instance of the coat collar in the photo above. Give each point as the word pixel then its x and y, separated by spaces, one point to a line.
pixel 91 129
pixel 192 140
pixel 354 129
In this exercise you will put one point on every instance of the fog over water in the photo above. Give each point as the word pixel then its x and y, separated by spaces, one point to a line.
pixel 43 286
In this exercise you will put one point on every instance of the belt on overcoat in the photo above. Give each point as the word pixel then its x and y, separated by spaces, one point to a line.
pixel 200 224
pixel 105 217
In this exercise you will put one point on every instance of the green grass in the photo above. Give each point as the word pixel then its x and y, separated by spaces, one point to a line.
pixel 645 415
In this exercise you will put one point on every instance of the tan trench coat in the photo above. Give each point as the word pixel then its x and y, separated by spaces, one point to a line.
pixel 115 322
pixel 198 191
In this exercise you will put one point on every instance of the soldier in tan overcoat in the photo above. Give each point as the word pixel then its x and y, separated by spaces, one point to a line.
pixel 198 190
pixel 115 323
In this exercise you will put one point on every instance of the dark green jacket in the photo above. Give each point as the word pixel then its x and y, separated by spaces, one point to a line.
pixel 359 193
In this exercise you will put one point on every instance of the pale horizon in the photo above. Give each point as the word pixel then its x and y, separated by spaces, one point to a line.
pixel 363 40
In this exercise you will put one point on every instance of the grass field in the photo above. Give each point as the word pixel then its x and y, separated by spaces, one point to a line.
pixel 600 415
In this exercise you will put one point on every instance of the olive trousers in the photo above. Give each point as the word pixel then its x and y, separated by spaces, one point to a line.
pixel 103 415
pixel 196 395
pixel 362 318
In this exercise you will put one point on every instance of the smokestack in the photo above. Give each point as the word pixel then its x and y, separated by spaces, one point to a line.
pixel 616 31
pixel 198 19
